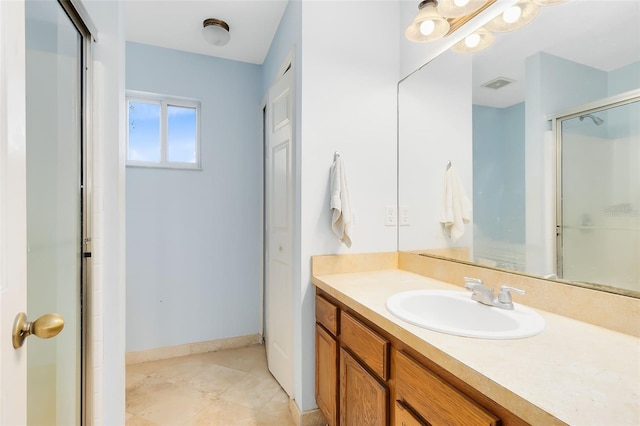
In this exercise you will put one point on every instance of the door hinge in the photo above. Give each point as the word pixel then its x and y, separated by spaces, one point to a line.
pixel 86 247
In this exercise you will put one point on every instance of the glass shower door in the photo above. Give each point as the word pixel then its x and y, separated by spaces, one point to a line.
pixel 599 204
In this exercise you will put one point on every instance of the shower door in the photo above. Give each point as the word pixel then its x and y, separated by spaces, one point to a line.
pixel 599 196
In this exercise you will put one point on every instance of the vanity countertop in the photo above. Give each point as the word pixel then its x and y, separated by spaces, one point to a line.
pixel 572 372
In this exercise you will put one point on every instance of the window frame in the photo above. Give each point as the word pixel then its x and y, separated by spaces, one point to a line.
pixel 165 102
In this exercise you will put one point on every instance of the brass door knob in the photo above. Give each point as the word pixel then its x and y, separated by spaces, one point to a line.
pixel 45 327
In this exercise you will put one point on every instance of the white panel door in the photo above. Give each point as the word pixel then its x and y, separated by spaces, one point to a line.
pixel 279 232
pixel 13 214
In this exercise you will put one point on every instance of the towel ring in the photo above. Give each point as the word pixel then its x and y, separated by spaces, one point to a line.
pixel 448 165
pixel 336 155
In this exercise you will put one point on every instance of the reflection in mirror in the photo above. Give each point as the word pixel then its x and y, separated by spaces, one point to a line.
pixel 599 207
pixel 492 114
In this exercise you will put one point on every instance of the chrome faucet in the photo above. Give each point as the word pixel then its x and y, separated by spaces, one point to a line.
pixel 484 294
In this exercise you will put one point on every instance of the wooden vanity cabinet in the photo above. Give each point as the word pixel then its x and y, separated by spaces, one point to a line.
pixel 327 360
pixel 364 376
pixel 435 400
pixel 352 364
pixel 327 375
pixel 363 399
pixel 404 417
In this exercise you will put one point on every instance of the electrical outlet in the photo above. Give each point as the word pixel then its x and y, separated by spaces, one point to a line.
pixel 390 218
pixel 403 216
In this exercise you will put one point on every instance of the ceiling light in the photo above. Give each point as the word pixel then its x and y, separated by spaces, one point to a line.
pixel 515 17
pixel 548 2
pixel 475 42
pixel 428 24
pixel 216 31
pixel 457 8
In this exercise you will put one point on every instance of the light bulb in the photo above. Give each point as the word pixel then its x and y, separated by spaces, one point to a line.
pixel 427 27
pixel 461 3
pixel 472 41
pixel 512 14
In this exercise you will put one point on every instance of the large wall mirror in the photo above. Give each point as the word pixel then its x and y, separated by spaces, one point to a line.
pixel 542 132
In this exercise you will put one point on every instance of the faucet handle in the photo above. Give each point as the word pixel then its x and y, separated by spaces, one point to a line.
pixel 471 283
pixel 504 296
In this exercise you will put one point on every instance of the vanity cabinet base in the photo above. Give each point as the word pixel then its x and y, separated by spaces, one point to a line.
pixel 365 376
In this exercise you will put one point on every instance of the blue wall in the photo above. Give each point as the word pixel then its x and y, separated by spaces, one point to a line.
pixel 624 79
pixel 193 237
pixel 287 37
pixel 498 173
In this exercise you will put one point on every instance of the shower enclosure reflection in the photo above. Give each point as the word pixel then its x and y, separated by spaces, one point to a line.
pixel 599 196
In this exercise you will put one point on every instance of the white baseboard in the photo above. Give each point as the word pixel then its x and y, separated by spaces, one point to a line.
pixel 192 348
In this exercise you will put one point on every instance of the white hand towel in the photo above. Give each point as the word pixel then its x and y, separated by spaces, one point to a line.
pixel 342 216
pixel 456 207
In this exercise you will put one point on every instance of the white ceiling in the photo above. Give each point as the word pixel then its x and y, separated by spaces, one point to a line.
pixel 177 24
pixel 604 34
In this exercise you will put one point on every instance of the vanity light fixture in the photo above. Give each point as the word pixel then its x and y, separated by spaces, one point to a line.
pixel 475 42
pixel 428 25
pixel 517 16
pixel 216 31
pixel 457 8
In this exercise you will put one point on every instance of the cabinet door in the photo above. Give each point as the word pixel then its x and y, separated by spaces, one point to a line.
pixel 327 375
pixel 363 400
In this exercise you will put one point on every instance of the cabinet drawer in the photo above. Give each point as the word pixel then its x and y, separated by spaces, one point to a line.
pixel 366 344
pixel 433 398
pixel 327 314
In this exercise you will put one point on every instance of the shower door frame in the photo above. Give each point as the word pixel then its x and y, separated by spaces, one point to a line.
pixel 556 120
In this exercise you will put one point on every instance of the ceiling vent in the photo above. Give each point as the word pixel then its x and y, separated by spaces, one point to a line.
pixel 498 83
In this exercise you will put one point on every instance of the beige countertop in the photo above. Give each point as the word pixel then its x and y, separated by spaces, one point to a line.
pixel 572 372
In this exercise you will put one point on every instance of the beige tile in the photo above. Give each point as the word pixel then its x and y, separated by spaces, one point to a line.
pixel 139 421
pixel 215 379
pixel 222 413
pixel 173 405
pixel 250 359
pixel 278 405
pixel 254 391
pixel 169 368
pixel 230 387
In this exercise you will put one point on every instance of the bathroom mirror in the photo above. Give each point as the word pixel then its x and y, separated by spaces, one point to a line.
pixel 507 120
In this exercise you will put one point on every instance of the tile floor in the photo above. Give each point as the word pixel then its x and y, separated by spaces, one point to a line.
pixel 227 388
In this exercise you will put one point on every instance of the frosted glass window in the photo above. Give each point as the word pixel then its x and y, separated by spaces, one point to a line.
pixel 163 131
pixel 181 140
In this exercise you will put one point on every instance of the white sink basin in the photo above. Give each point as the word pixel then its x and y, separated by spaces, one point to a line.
pixel 454 312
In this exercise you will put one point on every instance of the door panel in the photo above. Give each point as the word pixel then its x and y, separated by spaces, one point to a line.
pixel 599 203
pixel 54 224
pixel 279 233
pixel 13 242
